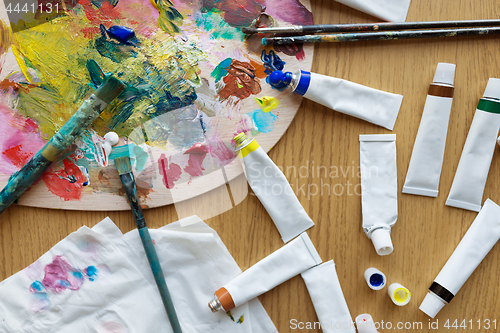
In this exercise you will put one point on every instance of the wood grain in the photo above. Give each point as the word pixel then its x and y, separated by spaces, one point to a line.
pixel 427 231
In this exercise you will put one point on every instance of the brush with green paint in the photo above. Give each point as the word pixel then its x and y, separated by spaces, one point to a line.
pixel 121 156
pixel 83 117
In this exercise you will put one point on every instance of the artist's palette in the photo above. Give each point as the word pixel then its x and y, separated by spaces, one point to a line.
pixel 194 79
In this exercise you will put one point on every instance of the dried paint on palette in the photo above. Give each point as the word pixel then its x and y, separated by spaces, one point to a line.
pixel 188 67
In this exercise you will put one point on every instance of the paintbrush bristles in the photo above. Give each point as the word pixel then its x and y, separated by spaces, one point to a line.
pixel 123 165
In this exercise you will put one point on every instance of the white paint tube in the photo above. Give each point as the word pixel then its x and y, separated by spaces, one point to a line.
pixel 472 171
pixel 273 190
pixel 375 106
pixel 292 259
pixel 389 10
pixel 482 235
pixel 427 157
pixel 379 189
pixel 328 299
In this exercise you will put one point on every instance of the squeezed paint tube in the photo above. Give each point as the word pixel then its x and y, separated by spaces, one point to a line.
pixel 290 260
pixel 427 157
pixel 326 294
pixel 365 324
pixel 482 235
pixel 389 10
pixel 273 190
pixel 472 171
pixel 375 106
pixel 379 189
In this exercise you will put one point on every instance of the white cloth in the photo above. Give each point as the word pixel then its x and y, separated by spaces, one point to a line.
pixel 122 295
pixel 389 10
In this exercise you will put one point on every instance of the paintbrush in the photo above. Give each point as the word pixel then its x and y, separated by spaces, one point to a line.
pixel 83 117
pixel 122 163
pixel 384 26
pixel 385 35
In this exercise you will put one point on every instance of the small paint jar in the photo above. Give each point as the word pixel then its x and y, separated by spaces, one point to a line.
pixel 399 294
pixel 365 324
pixel 375 279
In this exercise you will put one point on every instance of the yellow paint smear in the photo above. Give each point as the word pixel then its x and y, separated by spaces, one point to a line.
pixel 267 103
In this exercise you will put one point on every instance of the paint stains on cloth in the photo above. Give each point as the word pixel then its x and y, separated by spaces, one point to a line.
pixel 59 276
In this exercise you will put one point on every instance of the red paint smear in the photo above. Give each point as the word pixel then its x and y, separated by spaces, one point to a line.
pixel 66 183
pixel 197 154
pixel 170 173
pixel 59 276
pixel 17 156
pixel 104 15
pixel 197 148
pixel 300 55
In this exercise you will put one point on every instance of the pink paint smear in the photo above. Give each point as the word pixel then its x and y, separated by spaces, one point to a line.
pixel 196 154
pixel 170 173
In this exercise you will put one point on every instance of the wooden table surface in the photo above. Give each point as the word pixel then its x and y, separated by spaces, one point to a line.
pixel 427 231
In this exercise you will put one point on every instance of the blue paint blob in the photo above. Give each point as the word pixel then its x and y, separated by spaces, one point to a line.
pixel 376 280
pixel 272 62
pixel 92 272
pixel 280 80
pixel 121 33
pixel 263 121
pixel 77 275
pixel 37 287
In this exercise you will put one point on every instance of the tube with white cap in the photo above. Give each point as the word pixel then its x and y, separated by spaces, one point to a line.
pixel 427 157
pixel 482 235
pixel 379 189
pixel 273 190
pixel 365 324
pixel 375 279
pixel 290 260
pixel 472 171
pixel 375 106
pixel 328 300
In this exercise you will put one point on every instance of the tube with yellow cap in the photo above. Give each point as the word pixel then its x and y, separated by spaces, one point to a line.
pixel 272 188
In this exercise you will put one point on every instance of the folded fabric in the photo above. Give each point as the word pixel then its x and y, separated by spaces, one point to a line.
pixel 98 280
pixel 389 10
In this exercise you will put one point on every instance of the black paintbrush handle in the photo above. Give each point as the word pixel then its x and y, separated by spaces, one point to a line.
pixel 387 35
pixel 383 26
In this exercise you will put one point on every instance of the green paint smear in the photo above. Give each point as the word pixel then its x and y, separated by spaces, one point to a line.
pixel 230 315
pixel 213 22
pixel 241 319
pixel 220 71
pixel 136 154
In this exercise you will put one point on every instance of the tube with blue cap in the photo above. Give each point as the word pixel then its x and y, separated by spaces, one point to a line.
pixel 375 106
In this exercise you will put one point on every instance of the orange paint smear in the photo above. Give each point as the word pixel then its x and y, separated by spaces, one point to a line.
pixel 66 183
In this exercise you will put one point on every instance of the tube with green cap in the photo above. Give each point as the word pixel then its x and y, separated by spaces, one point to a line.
pixel 83 117
pixel 470 179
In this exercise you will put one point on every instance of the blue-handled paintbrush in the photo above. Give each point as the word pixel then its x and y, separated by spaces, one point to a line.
pixel 122 163
pixel 83 117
